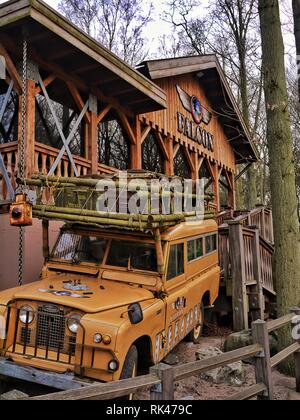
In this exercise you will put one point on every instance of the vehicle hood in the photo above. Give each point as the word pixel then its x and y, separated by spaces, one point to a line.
pixel 104 295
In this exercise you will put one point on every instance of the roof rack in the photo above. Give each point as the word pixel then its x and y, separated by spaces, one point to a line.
pixel 104 200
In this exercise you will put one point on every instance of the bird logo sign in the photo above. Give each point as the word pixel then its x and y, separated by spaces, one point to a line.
pixel 193 105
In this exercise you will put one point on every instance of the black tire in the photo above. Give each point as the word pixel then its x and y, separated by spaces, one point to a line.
pixel 196 334
pixel 130 367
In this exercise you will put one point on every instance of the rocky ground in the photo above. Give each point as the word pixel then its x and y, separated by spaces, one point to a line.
pixel 204 389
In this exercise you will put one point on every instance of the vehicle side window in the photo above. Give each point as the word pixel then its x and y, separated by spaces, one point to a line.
pixel 195 249
pixel 176 261
pixel 210 243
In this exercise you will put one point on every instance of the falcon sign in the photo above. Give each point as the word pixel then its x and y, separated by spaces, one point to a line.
pixel 190 128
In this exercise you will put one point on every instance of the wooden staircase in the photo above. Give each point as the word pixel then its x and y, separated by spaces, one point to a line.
pixel 246 251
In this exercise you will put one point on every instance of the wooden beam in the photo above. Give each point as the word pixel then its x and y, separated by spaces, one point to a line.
pixel 162 145
pixel 84 69
pixel 93 142
pixel 190 160
pixel 127 127
pixel 176 150
pixel 145 133
pixel 200 162
pixel 103 113
pixel 78 100
pixel 239 290
pixel 30 127
pixel 136 149
pixel 47 82
pixel 169 165
pixel 263 366
pixel 61 53
pixel 13 72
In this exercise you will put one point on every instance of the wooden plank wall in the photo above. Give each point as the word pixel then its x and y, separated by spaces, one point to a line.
pixel 166 121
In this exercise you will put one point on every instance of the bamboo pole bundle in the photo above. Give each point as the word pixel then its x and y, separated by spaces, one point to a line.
pixel 52 181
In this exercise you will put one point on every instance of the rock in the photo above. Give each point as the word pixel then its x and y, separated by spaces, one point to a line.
pixel 293 396
pixel 171 359
pixel 244 338
pixel 13 395
pixel 233 373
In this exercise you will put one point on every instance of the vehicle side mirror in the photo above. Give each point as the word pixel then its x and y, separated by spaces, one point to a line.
pixel 135 313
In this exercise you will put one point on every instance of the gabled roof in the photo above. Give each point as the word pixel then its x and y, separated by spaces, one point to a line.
pixel 213 80
pixel 60 47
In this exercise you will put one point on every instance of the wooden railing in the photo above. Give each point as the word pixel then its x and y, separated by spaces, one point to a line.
pixel 45 157
pixel 162 377
pixel 9 154
pixel 266 252
pixel 261 217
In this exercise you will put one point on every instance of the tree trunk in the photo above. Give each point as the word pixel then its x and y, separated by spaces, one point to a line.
pixel 296 13
pixel 282 169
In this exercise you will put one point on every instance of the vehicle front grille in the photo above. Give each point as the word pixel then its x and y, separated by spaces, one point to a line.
pixel 51 328
pixel 49 331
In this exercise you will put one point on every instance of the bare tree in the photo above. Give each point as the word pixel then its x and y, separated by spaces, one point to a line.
pixel 229 29
pixel 117 24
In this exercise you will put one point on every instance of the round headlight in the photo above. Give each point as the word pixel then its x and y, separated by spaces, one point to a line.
pixel 113 365
pixel 98 338
pixel 73 323
pixel 26 315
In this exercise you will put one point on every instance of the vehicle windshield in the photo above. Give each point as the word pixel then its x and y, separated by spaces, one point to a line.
pixel 79 248
pixel 133 255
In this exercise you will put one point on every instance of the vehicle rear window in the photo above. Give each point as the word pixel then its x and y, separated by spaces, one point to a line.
pixel 133 255
pixel 210 243
pixel 195 249
pixel 176 261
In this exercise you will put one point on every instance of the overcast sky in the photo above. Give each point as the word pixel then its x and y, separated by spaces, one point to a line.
pixel 159 27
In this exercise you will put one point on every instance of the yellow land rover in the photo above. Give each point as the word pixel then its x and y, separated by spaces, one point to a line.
pixel 111 301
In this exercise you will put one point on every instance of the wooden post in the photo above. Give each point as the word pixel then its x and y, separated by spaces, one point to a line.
pixel 259 301
pixel 238 273
pixel 30 128
pixel 45 224
pixel 165 390
pixel 170 162
pixel 296 328
pixel 93 143
pixel 136 148
pixel 263 367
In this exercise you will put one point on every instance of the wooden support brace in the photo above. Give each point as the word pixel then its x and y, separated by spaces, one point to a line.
pixel 13 72
pixel 162 145
pixel 145 134
pixel 127 127
pixel 47 82
pixel 103 113
pixel 78 100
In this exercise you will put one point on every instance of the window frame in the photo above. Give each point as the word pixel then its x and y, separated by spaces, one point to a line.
pixel 205 253
pixel 178 276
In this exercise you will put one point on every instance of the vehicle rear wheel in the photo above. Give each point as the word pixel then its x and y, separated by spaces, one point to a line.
pixel 195 335
pixel 130 367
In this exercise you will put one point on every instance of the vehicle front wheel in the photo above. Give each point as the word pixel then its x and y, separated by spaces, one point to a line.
pixel 195 335
pixel 130 367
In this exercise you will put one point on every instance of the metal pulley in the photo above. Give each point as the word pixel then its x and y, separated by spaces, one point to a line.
pixel 21 211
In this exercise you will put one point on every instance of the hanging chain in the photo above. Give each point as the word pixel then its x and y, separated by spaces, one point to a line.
pixel 22 162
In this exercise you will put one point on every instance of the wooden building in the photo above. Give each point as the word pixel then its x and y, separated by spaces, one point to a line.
pixel 85 111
